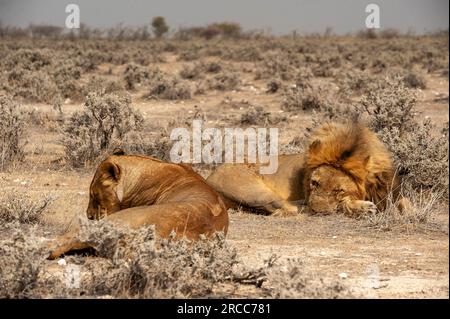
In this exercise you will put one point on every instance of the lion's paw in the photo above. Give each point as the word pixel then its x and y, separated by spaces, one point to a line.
pixel 364 207
pixel 282 212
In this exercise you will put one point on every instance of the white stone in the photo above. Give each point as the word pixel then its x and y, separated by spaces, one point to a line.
pixel 62 262
pixel 343 275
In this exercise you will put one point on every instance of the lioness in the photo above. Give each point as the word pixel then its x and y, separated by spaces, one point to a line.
pixel 346 168
pixel 137 190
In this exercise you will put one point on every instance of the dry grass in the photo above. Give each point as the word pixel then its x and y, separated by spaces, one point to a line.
pixel 23 208
pixel 12 131
pixel 424 205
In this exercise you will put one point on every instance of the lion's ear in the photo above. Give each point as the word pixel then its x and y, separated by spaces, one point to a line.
pixel 314 146
pixel 112 171
pixel 118 151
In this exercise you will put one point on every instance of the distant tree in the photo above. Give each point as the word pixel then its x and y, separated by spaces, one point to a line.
pixel 159 26
pixel 227 29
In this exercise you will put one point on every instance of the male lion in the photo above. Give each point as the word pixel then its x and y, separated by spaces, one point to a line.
pixel 137 190
pixel 346 168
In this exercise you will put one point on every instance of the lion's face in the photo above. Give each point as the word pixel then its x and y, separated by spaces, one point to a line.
pixel 103 198
pixel 328 187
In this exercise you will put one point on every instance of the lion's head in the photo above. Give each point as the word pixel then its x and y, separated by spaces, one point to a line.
pixel 346 162
pixel 328 188
pixel 104 193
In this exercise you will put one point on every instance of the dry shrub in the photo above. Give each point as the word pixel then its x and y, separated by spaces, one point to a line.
pixel 256 115
pixel 133 264
pixel 35 86
pixel 295 146
pixel 390 106
pixel 24 209
pixel 41 76
pixel 292 281
pixel 198 70
pixel 154 145
pixel 335 112
pixel 189 54
pixel 136 265
pixel 303 77
pixel 88 61
pixel 135 74
pixel 106 119
pixel 212 66
pixel 276 66
pixel 21 261
pixel 12 131
pixel 222 29
pixel 139 266
pixel 169 88
pixel 420 154
pixel 420 216
pixel 101 86
pixel 243 53
pixel 225 81
pixel 191 72
pixel 273 86
pixel 354 82
pixel 296 98
pixel 323 70
pixel 414 80
pixel 66 76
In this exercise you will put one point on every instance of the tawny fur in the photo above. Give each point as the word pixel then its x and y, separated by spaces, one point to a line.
pixel 138 191
pixel 357 151
pixel 352 151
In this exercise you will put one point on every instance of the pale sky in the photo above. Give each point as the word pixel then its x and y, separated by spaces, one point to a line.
pixel 277 16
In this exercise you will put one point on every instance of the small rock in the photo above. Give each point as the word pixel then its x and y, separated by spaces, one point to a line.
pixel 62 262
pixel 343 275
pixel 334 237
pixel 322 253
pixel 417 254
pixel 81 193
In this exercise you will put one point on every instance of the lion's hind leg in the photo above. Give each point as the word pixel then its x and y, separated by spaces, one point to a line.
pixel 244 187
